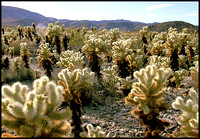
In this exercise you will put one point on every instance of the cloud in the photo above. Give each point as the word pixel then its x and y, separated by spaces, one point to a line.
pixel 157 6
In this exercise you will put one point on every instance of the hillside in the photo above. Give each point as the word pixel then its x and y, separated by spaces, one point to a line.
pixel 175 24
pixel 12 17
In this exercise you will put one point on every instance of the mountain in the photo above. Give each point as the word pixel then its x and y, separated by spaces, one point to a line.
pixel 16 16
pixel 12 17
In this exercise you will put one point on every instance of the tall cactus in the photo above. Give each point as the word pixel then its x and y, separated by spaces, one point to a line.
pixel 44 58
pixel 34 113
pixel 24 53
pixel 147 96
pixel 54 32
pixel 76 86
pixel 172 45
pixel 120 52
pixel 110 80
pixel 92 48
pixel 65 41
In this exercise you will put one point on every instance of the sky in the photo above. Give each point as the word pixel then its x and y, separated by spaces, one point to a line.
pixel 137 11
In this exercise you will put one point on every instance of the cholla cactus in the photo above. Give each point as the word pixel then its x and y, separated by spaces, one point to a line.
pixel 5 63
pixel 4 48
pixel 114 35
pixel 183 62
pixel 147 96
pixel 16 62
pixel 11 51
pixel 159 61
pixel 183 38
pixel 76 85
pixel 110 79
pixel 93 47
pixel 121 49
pixel 65 40
pixel 25 53
pixel 126 85
pixel 160 37
pixel 94 133
pixel 189 119
pixel 135 63
pixel 44 58
pixel 177 77
pixel 157 48
pixel 54 32
pixel 143 34
pixel 20 33
pixel 120 52
pixel 190 53
pixel 135 43
pixel 194 71
pixel 172 44
pixel 34 113
pixel 28 33
pixel 71 60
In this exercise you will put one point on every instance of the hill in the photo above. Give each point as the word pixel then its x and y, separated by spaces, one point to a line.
pixel 179 25
pixel 12 17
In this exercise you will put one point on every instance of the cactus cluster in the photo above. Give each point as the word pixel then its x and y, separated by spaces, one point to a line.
pixel 136 64
pixel 34 113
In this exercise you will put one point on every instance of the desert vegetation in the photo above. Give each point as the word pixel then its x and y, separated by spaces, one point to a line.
pixel 51 76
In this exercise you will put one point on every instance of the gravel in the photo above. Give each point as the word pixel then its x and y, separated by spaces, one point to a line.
pixel 116 119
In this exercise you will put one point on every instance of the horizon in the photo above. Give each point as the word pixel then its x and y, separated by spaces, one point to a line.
pixel 146 12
